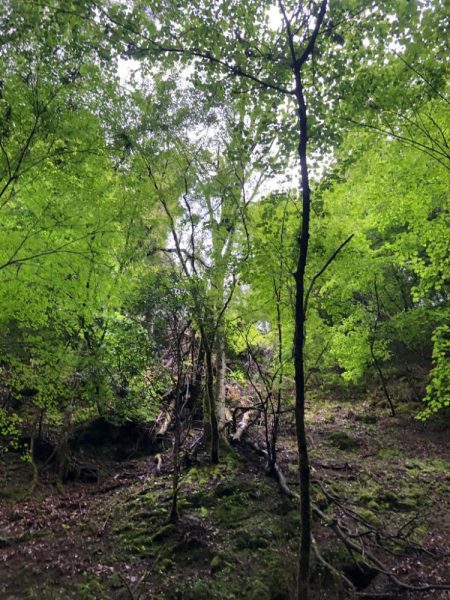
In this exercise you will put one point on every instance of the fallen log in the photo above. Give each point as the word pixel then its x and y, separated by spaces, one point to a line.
pixel 273 468
pixel 164 419
pixel 251 413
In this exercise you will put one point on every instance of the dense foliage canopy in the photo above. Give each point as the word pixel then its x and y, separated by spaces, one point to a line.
pixel 151 208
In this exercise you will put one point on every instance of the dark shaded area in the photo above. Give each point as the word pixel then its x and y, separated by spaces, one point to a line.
pixel 110 440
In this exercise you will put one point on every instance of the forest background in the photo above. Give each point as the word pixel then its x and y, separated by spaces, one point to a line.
pixel 152 224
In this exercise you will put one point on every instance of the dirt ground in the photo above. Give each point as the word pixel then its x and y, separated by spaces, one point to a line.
pixel 237 536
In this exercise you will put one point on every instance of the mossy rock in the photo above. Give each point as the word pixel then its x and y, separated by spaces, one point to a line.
pixel 248 541
pixel 230 512
pixel 403 502
pixel 192 552
pixel 352 567
pixel 197 500
pixel 226 489
pixel 368 515
pixel 343 441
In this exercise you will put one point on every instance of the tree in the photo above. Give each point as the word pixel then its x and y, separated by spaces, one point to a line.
pixel 73 219
pixel 291 89
pixel 245 52
pixel 393 279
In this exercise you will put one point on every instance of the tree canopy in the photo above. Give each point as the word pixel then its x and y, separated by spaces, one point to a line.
pixel 201 196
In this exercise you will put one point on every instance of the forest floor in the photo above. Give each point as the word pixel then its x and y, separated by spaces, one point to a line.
pixel 237 536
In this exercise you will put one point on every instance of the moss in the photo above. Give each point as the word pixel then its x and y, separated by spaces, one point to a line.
pixel 165 564
pixel 251 541
pixel 291 522
pixel 368 516
pixel 197 590
pixel 192 551
pixel 217 563
pixel 396 501
pixel 405 409
pixel 231 510
pixel 196 499
pixel 162 534
pixel 202 475
pixel 257 590
pixel 320 499
pixel 352 566
pixel 91 590
pixel 420 531
pixel 367 419
pixel 15 493
pixel 137 544
pixel 343 441
pixel 416 466
pixel 226 489
pixel 369 493
pixel 137 538
pixel 388 453
pixel 150 497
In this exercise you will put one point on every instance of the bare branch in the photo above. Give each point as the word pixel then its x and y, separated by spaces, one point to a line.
pixel 323 269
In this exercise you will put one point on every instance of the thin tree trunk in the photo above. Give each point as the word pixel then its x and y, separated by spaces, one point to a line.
pixel 35 478
pixel 299 348
pixel 277 412
pixel 173 517
pixel 376 362
pixel 300 305
pixel 212 408
pixel 197 378
pixel 220 379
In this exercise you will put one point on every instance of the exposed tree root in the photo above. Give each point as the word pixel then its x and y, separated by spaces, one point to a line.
pixel 274 470
pixel 348 538
pixel 338 575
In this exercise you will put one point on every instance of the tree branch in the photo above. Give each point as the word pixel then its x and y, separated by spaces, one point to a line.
pixel 323 269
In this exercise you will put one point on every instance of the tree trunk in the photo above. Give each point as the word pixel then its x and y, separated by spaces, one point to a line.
pixel 220 380
pixel 277 408
pixel 197 378
pixel 173 517
pixel 35 478
pixel 212 429
pixel 300 305
pixel 299 348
